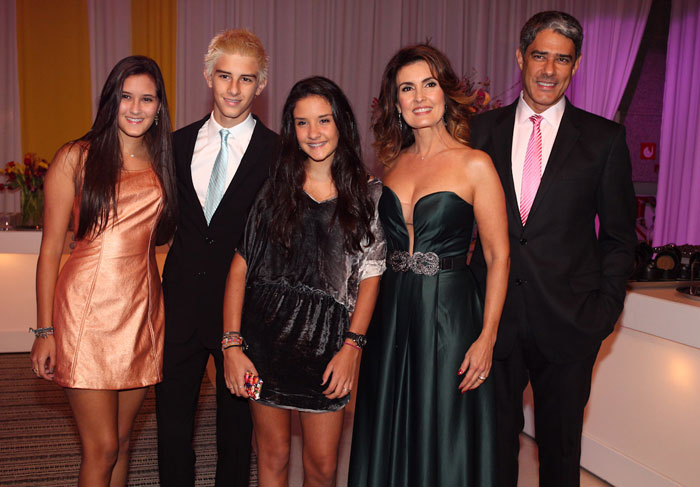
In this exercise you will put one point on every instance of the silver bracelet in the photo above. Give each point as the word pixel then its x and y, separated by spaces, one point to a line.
pixel 42 332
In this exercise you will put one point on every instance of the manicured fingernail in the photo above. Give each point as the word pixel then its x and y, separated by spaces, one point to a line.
pixel 460 372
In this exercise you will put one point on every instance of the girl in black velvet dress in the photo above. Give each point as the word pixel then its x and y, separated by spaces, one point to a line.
pixel 303 284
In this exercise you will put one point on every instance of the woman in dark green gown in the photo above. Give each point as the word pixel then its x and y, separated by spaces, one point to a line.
pixel 425 410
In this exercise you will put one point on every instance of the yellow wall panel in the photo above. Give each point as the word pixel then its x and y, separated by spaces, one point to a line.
pixel 154 34
pixel 53 42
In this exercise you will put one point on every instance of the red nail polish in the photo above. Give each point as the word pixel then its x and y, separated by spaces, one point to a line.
pixel 460 372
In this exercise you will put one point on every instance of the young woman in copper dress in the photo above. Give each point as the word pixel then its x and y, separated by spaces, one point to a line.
pixel 100 319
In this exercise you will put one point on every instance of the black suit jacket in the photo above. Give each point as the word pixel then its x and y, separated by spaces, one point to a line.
pixel 197 265
pixel 568 284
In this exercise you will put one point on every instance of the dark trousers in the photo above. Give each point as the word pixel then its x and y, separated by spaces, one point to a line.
pixel 176 405
pixel 560 394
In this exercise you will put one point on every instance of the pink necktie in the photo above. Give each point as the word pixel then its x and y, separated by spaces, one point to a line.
pixel 532 169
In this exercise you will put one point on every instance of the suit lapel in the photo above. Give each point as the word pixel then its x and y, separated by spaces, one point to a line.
pixel 502 140
pixel 567 135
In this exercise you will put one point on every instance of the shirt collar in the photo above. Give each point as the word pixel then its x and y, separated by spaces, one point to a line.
pixel 551 115
pixel 245 127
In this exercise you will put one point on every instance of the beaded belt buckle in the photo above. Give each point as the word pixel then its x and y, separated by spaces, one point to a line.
pixel 425 263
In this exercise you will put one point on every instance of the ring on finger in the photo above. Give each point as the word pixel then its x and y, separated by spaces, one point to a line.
pixel 481 377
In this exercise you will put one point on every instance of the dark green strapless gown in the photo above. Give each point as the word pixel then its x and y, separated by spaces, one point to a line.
pixel 412 425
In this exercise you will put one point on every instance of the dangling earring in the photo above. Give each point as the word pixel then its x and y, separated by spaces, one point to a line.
pixel 400 124
pixel 155 120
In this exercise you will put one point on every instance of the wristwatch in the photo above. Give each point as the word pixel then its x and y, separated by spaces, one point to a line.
pixel 361 340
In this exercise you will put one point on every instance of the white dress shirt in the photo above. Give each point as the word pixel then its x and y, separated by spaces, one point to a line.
pixel 207 148
pixel 521 136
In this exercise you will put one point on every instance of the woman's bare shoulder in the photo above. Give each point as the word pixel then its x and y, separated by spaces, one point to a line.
pixel 473 161
pixel 471 156
pixel 71 153
pixel 69 158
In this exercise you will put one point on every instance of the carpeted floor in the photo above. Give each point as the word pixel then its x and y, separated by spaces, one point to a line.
pixel 39 444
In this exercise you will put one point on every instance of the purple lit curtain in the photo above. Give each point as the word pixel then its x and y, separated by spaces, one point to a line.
pixel 612 33
pixel 678 198
pixel 350 41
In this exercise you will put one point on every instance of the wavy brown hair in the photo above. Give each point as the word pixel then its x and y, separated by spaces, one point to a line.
pixel 390 138
pixel 354 208
pixel 103 164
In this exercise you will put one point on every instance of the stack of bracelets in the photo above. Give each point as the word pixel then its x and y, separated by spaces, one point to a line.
pixel 233 339
pixel 42 332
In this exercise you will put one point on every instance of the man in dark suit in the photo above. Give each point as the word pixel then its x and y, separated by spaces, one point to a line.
pixel 560 168
pixel 221 162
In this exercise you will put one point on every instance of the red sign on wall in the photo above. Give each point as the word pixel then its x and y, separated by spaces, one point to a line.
pixel 648 151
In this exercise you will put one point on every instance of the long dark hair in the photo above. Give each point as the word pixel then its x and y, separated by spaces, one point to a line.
pixel 354 209
pixel 390 137
pixel 103 162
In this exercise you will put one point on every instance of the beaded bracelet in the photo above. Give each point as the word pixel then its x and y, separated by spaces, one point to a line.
pixel 42 332
pixel 233 339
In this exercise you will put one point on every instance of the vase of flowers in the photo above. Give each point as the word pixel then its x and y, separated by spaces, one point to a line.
pixel 28 176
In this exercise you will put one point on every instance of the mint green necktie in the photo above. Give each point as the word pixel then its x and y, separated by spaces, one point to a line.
pixel 217 181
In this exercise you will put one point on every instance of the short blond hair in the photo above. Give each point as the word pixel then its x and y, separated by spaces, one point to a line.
pixel 236 41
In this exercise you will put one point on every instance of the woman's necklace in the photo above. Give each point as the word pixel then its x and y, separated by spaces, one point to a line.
pixel 422 156
pixel 136 154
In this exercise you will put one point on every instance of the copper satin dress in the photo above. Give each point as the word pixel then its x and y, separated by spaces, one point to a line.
pixel 108 306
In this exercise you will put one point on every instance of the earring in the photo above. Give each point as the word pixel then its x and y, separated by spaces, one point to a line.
pixel 155 120
pixel 400 123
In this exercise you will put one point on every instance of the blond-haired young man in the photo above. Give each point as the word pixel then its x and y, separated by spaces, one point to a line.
pixel 221 162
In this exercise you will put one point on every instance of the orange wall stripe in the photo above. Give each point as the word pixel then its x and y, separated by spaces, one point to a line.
pixel 53 42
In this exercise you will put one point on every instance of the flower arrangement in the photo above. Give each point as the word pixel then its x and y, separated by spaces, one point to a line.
pixel 28 176
pixel 478 91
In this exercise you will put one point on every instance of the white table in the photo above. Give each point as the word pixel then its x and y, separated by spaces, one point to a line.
pixel 641 427
pixel 19 251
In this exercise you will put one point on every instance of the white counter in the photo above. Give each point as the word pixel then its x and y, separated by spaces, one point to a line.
pixel 18 255
pixel 641 427
pixel 19 251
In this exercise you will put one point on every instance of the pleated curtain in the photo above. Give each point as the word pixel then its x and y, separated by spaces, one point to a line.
pixel 678 197
pixel 349 41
